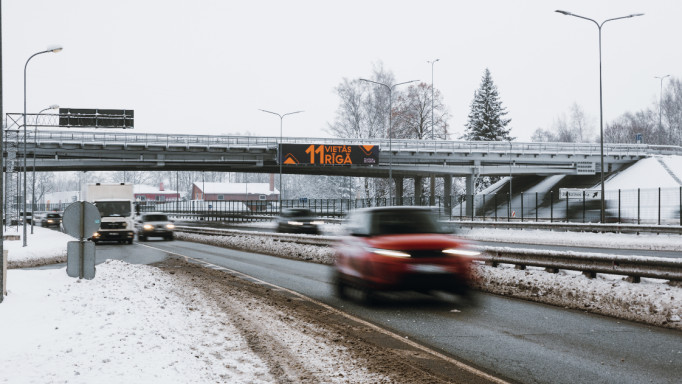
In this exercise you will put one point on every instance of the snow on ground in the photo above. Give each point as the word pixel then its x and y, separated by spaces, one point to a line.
pixel 647 173
pixel 134 323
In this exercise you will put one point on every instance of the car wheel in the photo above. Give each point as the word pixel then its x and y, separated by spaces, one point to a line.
pixel 169 237
pixel 142 238
pixel 339 286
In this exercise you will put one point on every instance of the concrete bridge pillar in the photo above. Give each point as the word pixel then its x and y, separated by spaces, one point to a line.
pixel 447 193
pixel 418 190
pixel 432 195
pixel 470 188
pixel 399 191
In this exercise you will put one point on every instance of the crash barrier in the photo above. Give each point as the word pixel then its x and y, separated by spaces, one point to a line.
pixel 589 264
pixel 569 227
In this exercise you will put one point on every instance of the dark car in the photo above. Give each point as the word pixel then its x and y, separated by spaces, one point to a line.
pixel 154 225
pixel 298 220
pixel 51 220
pixel 400 249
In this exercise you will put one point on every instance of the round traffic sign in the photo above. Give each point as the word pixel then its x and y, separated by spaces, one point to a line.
pixel 77 212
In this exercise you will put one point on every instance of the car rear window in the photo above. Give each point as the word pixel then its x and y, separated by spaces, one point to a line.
pixel 53 215
pixel 298 213
pixel 403 222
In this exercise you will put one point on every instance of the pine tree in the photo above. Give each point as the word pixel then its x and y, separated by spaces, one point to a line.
pixel 486 118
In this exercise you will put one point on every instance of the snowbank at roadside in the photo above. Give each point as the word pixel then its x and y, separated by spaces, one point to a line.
pixel 45 246
pixel 132 323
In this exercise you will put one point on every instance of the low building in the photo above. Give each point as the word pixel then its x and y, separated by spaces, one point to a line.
pixel 148 193
pixel 256 195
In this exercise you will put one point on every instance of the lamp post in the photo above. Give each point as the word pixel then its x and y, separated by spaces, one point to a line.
pixel 281 117
pixel 33 178
pixel 432 97
pixel 601 104
pixel 660 101
pixel 53 50
pixel 390 131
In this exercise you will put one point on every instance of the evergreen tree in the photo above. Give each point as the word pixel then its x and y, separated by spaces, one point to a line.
pixel 486 118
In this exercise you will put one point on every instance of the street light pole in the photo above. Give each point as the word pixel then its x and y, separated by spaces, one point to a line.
pixel 54 50
pixel 279 155
pixel 33 178
pixel 601 105
pixel 390 131
pixel 660 102
pixel 432 97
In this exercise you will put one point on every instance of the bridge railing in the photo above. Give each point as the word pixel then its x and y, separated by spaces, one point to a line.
pixel 591 149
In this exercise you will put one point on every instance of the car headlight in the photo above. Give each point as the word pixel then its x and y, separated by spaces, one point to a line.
pixel 389 252
pixel 295 223
pixel 170 226
pixel 317 222
pixel 461 252
pixel 148 227
pixel 96 235
pixel 50 221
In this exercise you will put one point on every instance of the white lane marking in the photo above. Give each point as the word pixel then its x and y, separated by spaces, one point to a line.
pixel 375 327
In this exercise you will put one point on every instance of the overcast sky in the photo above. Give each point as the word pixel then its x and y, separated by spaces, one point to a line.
pixel 207 67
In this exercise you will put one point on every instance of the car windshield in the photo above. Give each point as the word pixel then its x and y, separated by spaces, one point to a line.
pixel 53 215
pixel 155 218
pixel 403 222
pixel 113 208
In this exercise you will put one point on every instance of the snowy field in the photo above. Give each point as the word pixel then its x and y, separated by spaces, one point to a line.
pixel 135 323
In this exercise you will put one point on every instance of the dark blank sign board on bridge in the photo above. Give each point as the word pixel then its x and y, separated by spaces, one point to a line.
pixel 96 118
pixel 328 154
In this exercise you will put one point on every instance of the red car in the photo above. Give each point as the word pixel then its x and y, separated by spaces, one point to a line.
pixel 400 248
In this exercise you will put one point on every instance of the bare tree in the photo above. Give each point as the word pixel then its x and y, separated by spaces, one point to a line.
pixel 413 114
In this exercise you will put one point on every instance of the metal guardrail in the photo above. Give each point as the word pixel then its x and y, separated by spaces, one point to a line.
pixel 571 227
pixel 320 241
pixel 589 264
pixel 523 148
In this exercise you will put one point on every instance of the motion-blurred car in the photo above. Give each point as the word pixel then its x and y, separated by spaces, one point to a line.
pixel 51 219
pixel 298 220
pixel 401 249
pixel 153 224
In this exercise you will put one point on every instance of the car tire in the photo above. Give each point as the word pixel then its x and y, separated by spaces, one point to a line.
pixel 141 238
pixel 339 286
pixel 169 237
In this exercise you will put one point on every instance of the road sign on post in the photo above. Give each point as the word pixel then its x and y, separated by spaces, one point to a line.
pixel 81 219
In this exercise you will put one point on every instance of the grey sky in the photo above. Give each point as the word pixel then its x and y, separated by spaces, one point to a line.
pixel 206 67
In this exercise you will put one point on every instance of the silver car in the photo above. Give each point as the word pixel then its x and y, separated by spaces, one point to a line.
pixel 154 224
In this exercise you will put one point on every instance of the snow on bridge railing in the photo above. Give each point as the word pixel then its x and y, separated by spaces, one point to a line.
pixel 501 147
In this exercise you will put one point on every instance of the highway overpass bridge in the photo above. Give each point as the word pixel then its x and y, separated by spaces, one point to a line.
pixel 102 150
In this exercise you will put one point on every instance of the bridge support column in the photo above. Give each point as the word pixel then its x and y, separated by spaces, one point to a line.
pixel 432 195
pixel 470 188
pixel 447 194
pixel 399 191
pixel 418 190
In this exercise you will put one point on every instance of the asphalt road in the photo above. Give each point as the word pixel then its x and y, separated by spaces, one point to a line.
pixel 517 340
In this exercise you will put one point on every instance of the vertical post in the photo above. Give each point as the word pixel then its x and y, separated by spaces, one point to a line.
pixel 583 206
pixel 659 205
pixel 551 206
pixel 522 207
pixel 483 208
pixel 619 217
pixel 536 207
pixel 508 207
pixel 638 206
pixel 495 206
pixel 567 199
